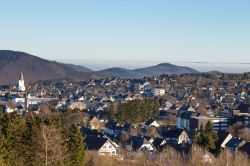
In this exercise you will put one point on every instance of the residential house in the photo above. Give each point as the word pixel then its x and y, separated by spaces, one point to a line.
pixel 242 113
pixel 235 143
pixel 113 129
pixel 77 105
pixel 96 124
pixel 127 127
pixel 158 91
pixel 227 101
pixel 138 143
pixel 208 157
pixel 176 136
pixel 167 115
pixel 185 113
pixel 168 105
pixel 103 146
pixel 159 143
pixel 152 122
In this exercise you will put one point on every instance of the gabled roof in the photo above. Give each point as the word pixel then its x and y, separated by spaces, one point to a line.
pixel 186 107
pixel 112 124
pixel 222 135
pixel 150 139
pixel 95 143
pixel 136 142
pixel 149 122
pixel 189 114
pixel 175 133
pixel 234 142
pixel 127 126
pixel 89 132
pixel 158 142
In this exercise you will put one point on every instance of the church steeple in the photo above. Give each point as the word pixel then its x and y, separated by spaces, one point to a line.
pixel 21 76
pixel 21 85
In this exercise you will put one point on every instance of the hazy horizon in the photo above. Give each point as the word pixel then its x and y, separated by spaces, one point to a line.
pixel 200 66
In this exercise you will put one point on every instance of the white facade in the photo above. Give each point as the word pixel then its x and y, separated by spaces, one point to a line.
pixel 159 92
pixel 35 100
pixel 21 85
pixel 19 101
pixel 108 148
pixel 182 123
pixel 227 139
pixel 155 124
pixel 9 110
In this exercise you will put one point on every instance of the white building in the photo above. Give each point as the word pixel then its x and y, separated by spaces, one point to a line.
pixel 159 91
pixel 21 85
pixel 19 101
pixel 104 146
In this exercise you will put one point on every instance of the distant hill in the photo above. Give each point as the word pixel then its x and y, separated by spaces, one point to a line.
pixel 79 68
pixel 35 69
pixel 164 68
pixel 121 72
pixel 38 69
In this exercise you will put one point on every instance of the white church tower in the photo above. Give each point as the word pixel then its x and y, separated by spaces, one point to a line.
pixel 21 85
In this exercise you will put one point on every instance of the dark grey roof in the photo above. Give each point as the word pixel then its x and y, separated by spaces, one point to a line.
pixel 244 108
pixel 136 142
pixel 234 143
pixel 149 122
pixel 157 142
pixel 175 133
pixel 222 135
pixel 188 114
pixel 89 132
pixel 112 124
pixel 95 143
pixel 127 126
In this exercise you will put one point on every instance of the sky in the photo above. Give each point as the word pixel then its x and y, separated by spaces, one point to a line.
pixel 128 32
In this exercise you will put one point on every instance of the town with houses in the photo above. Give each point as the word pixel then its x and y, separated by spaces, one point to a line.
pixel 186 102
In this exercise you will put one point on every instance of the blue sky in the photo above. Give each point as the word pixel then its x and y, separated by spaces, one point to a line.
pixel 128 30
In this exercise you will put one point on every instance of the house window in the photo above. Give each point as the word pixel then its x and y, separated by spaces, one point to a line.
pixel 104 147
pixel 113 152
pixel 110 146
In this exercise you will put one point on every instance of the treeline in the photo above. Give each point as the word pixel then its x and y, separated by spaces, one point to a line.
pixel 39 140
pixel 134 111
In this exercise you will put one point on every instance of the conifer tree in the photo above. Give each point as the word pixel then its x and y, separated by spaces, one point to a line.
pixel 76 146
pixel 206 137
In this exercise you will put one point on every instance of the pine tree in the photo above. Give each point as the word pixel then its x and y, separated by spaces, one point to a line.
pixel 206 137
pixel 210 137
pixel 76 146
pixel 2 140
pixel 7 132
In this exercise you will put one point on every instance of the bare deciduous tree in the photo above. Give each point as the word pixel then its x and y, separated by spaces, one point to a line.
pixel 50 149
